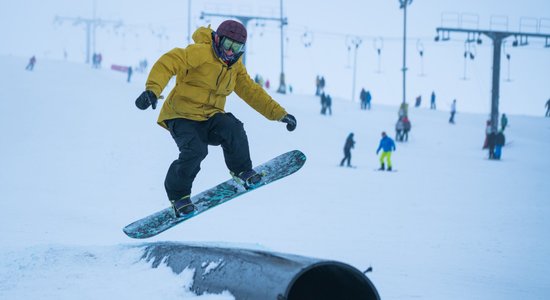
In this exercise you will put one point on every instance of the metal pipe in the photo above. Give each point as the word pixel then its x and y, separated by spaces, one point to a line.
pixel 254 274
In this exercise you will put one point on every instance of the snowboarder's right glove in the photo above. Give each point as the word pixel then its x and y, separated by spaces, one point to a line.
pixel 146 99
pixel 290 121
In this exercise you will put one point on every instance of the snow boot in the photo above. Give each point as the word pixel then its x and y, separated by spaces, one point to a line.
pixel 382 167
pixel 183 206
pixel 389 168
pixel 249 179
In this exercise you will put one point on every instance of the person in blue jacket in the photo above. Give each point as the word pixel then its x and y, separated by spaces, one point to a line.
pixel 387 146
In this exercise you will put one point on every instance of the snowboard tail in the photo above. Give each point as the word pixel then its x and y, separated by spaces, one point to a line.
pixel 273 170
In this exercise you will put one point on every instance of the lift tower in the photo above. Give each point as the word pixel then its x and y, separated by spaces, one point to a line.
pixel 497 37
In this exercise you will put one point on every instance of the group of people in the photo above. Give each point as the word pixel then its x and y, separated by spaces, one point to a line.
pixel 365 97
pixel 495 139
pixel 326 104
pixel 402 128
pixel 260 80
pixel 387 145
pixel 319 85
pixel 418 101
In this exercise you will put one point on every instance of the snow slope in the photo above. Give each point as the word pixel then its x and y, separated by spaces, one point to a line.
pixel 79 162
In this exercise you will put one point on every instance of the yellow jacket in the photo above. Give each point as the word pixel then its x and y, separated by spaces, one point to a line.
pixel 203 81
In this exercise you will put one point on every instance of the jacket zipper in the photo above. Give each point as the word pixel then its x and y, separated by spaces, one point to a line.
pixel 228 81
pixel 218 79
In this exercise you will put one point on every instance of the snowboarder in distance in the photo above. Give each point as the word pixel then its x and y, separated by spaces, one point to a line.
pixel 503 122
pixel 350 143
pixel 453 112
pixel 387 146
pixel 130 72
pixel 432 100
pixel 500 140
pixel 32 62
pixel 194 113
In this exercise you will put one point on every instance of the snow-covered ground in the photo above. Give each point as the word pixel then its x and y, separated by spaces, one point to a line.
pixel 78 162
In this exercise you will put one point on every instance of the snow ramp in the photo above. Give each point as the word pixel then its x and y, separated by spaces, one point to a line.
pixel 254 274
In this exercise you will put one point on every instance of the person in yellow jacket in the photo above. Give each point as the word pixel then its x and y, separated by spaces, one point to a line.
pixel 194 111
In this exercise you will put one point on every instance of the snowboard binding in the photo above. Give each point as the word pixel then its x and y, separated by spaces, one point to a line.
pixel 183 207
pixel 249 179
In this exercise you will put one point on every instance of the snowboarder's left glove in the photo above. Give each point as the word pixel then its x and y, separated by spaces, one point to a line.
pixel 290 121
pixel 146 99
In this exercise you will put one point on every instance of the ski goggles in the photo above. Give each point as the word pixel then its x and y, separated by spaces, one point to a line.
pixel 229 44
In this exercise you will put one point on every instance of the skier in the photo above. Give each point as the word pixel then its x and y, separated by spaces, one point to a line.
pixel 206 73
pixel 387 145
pixel 547 108
pixel 350 143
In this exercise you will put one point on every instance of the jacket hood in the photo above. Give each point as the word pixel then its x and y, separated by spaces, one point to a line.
pixel 203 35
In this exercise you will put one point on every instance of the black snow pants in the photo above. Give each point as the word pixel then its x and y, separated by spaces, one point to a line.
pixel 347 157
pixel 193 138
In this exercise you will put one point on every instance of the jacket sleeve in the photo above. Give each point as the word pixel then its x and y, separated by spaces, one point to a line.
pixel 255 96
pixel 170 64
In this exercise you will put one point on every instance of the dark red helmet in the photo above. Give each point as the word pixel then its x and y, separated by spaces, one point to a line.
pixel 233 30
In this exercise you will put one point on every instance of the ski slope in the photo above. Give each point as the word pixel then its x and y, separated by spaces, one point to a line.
pixel 79 162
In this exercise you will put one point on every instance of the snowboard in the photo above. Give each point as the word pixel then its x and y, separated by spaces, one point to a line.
pixel 272 170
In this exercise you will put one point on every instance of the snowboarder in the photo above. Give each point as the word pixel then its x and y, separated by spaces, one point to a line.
pixel 350 143
pixel 491 142
pixel 323 103
pixel 406 129
pixel 399 127
pixel 363 98
pixel 368 98
pixel 453 112
pixel 432 100
pixel 418 101
pixel 206 73
pixel 500 140
pixel 30 65
pixel 130 72
pixel 328 104
pixel 387 146
pixel 503 122
pixel 488 130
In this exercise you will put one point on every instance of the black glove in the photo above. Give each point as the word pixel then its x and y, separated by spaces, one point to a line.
pixel 290 121
pixel 146 99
